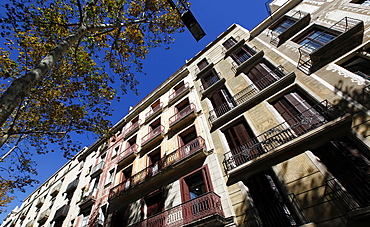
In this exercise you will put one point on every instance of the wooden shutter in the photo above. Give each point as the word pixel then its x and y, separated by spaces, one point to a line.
pixel 236 135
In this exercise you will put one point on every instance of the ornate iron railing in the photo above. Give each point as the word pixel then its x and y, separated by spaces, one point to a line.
pixel 300 124
pixel 214 79
pixel 247 93
pixel 167 161
pixel 355 193
pixel 73 185
pixel 206 205
pixel 271 77
pixel 182 114
pixel 61 212
pixel 178 91
pixel 282 212
pixel 44 215
pixel 97 168
pixel 154 110
pixel 152 134
pixel 127 152
pixel 134 126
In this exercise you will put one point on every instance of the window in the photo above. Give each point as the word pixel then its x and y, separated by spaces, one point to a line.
pixel 154 203
pixel 115 151
pixel 316 38
pixel 283 25
pixel 262 75
pixel 359 64
pixel 155 125
pixel 222 102
pixel 126 177
pixel 154 160
pixel 243 54
pixel 187 136
pixel 349 166
pixel 229 43
pixel 362 2
pixel 293 104
pixel 271 204
pixel 195 184
pixel 110 177
pixel 239 138
pixel 209 79
pixel 202 64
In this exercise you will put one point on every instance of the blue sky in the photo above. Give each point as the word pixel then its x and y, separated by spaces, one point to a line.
pixel 215 17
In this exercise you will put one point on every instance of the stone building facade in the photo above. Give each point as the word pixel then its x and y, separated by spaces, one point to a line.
pixel 268 127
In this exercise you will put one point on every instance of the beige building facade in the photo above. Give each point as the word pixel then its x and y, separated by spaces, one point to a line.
pixel 268 127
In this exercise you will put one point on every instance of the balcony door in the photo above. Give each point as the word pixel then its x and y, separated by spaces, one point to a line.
pixel 239 138
pixel 209 79
pixel 222 102
pixel 154 203
pixel 262 75
pixel 270 206
pixel 298 112
pixel 154 159
pixel 349 166
pixel 185 141
pixel 195 184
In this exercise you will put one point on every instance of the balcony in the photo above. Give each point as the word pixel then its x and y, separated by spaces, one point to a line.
pixel 153 112
pixel 183 115
pixel 254 56
pixel 301 21
pixel 176 95
pixel 44 216
pixel 40 202
pixel 211 85
pixel 239 43
pixel 251 95
pixel 87 201
pixel 355 198
pixel 72 186
pixel 200 72
pixel 124 155
pixel 30 223
pixel 190 150
pixel 56 189
pixel 350 32
pixel 205 210
pixel 132 129
pixel 96 170
pixel 282 212
pixel 62 212
pixel 308 130
pixel 153 136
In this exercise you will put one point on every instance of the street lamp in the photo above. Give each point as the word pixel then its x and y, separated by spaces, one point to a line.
pixel 188 19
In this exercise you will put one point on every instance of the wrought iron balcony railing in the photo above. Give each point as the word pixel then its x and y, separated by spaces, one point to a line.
pixel 193 210
pixel 150 171
pixel 44 216
pixel 283 212
pixel 176 93
pixel 182 114
pixel 152 134
pixel 61 212
pixel 249 92
pixel 132 128
pixel 300 124
pixel 153 111
pixel 356 191
pixel 72 186
pixel 270 78
pixel 56 189
pixel 214 79
pixel 97 169
pixel 124 154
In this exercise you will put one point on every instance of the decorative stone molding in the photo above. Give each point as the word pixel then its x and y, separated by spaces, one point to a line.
pixel 346 74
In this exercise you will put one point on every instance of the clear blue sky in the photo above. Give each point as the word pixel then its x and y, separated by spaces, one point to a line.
pixel 215 17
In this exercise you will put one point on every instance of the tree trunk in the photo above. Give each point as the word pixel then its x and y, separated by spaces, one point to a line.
pixel 21 87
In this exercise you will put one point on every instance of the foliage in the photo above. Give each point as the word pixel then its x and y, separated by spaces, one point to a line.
pixel 60 67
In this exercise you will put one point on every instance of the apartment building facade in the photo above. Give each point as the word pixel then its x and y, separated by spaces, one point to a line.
pixel 268 127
